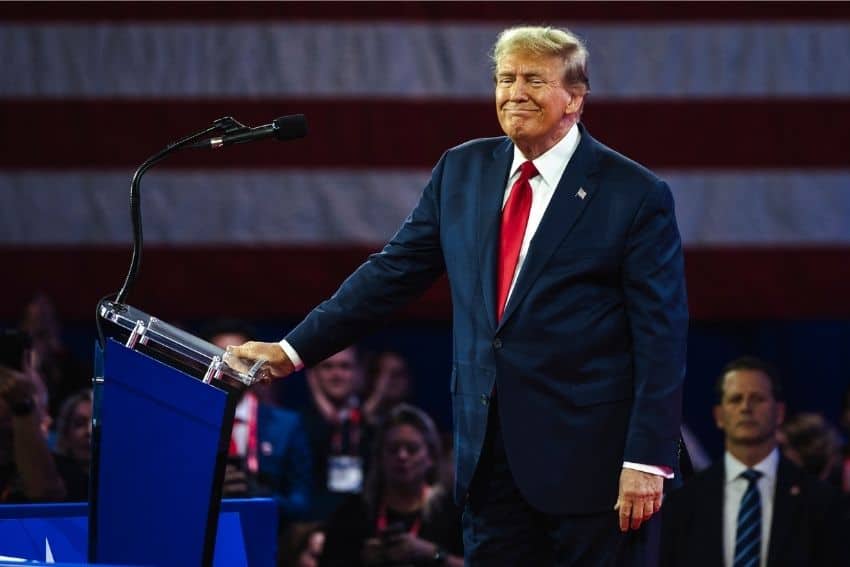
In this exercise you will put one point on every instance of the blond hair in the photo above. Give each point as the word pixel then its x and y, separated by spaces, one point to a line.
pixel 548 41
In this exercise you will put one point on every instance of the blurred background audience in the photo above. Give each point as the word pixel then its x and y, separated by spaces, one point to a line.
pixel 404 516
pixel 809 441
pixel 60 370
pixel 338 436
pixel 27 467
pixel 388 382
pixel 73 444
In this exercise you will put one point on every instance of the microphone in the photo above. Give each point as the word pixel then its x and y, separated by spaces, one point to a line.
pixel 284 128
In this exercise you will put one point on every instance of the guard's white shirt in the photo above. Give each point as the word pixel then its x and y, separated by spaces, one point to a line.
pixel 733 490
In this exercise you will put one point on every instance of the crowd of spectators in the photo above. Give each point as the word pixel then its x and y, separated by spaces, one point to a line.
pixel 362 477
pixel 45 412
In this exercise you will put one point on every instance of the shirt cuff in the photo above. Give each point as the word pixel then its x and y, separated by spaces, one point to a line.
pixel 666 472
pixel 292 355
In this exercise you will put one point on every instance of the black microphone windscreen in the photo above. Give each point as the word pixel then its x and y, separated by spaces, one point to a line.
pixel 290 127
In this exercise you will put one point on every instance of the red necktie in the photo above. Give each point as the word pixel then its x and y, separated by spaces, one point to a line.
pixel 514 221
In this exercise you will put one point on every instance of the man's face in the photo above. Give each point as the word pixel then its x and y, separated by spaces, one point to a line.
pixel 748 413
pixel 533 106
pixel 337 376
pixel 79 432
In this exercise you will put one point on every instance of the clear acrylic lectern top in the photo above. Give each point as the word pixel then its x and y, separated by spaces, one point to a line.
pixel 182 350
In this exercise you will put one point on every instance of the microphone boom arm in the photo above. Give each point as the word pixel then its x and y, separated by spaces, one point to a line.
pixel 228 124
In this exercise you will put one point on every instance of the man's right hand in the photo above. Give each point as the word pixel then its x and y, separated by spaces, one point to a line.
pixel 279 363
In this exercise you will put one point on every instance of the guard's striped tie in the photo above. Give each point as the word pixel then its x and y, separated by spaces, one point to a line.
pixel 748 532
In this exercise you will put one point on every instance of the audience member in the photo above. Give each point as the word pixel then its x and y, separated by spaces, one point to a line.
pixel 62 374
pixel 813 444
pixel 309 545
pixel 269 452
pixel 403 517
pixel 753 507
pixel 339 440
pixel 27 470
pixel 73 444
pixel 388 383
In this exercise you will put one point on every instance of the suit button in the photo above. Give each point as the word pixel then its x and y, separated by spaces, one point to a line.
pixel 497 344
pixel 485 399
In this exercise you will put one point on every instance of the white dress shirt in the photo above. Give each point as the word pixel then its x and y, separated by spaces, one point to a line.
pixel 550 167
pixel 733 490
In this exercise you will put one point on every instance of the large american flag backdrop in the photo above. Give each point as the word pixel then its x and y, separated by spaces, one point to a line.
pixel 743 108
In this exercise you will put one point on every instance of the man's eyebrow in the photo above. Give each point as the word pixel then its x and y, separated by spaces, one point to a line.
pixel 532 73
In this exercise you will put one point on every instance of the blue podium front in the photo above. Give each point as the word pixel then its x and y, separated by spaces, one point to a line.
pixel 246 534
pixel 161 438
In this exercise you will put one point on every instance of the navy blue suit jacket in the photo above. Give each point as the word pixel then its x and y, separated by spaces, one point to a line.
pixel 807 528
pixel 588 359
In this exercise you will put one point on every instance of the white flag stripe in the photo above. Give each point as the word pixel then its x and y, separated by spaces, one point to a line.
pixel 324 207
pixel 411 60
pixel 248 207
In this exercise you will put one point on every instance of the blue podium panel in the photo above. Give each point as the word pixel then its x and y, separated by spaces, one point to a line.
pixel 247 533
pixel 258 519
pixel 159 443
pixel 43 532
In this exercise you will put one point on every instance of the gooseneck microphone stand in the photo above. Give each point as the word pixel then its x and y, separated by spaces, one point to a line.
pixel 223 132
pixel 227 131
pixel 226 125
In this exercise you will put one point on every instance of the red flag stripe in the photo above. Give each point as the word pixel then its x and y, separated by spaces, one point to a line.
pixel 812 133
pixel 422 11
pixel 190 283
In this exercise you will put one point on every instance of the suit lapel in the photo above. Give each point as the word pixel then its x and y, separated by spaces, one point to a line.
pixel 564 209
pixel 491 193
pixel 785 499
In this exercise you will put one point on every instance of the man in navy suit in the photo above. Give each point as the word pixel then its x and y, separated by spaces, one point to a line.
pixel 569 314
pixel 797 519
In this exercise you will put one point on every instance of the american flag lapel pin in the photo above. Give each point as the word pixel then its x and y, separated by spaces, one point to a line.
pixel 581 194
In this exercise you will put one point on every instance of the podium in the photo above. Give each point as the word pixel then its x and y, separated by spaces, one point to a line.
pixel 247 533
pixel 164 405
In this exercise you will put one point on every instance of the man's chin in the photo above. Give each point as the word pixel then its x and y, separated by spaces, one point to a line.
pixel 518 134
pixel 751 440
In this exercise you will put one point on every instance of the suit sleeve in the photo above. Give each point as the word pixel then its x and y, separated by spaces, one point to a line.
pixel 656 302
pixel 403 270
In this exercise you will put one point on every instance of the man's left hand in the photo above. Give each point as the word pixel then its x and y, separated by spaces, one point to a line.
pixel 639 498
